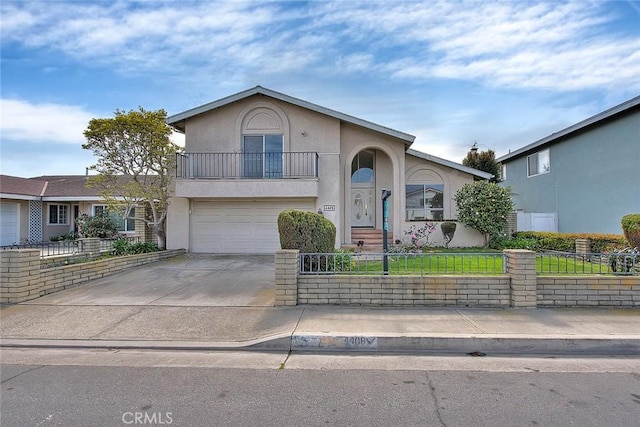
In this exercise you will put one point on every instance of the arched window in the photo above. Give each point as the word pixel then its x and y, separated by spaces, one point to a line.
pixel 362 170
pixel 262 144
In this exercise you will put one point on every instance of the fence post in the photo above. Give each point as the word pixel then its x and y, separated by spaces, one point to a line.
pixel 583 246
pixel 287 277
pixel 89 245
pixel 521 268
pixel 21 280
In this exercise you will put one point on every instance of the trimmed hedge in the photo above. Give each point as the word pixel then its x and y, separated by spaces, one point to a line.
pixel 566 242
pixel 308 232
pixel 631 229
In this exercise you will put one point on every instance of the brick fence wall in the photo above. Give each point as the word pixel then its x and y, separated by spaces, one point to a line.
pixel 475 291
pixel 602 291
pixel 520 287
pixel 23 277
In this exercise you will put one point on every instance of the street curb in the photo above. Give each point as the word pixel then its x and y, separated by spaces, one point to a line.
pixel 495 344
pixel 281 342
pixel 372 344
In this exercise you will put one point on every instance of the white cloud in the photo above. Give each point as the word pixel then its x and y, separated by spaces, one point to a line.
pixel 39 123
pixel 555 45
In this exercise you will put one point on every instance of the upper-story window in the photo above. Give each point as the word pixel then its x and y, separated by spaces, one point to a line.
pixel 58 214
pixel 262 156
pixel 538 163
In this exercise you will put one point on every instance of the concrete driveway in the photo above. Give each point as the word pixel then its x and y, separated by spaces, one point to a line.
pixel 196 280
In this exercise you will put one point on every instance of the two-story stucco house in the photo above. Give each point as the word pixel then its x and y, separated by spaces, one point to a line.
pixel 582 179
pixel 253 154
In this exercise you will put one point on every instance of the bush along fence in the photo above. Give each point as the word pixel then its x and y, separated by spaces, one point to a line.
pixel 513 278
pixel 66 251
pixel 24 278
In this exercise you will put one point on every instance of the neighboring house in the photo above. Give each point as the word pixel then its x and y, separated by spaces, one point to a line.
pixel 251 155
pixel 37 209
pixel 582 179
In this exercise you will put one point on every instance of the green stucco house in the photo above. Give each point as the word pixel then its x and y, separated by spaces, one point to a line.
pixel 582 179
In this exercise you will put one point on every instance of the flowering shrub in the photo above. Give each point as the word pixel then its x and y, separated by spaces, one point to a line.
pixel 99 225
pixel 419 236
pixel 484 206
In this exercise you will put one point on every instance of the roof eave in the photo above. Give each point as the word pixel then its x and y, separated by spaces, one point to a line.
pixel 449 163
pixel 591 121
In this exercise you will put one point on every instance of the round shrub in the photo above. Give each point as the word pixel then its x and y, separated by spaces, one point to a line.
pixel 309 232
pixel 631 229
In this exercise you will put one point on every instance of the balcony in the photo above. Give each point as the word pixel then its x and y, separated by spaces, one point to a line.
pixel 248 174
pixel 247 165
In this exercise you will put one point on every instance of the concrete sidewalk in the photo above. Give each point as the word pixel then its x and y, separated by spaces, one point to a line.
pixel 326 328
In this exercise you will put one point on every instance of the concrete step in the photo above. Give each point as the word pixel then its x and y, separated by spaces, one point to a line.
pixel 369 236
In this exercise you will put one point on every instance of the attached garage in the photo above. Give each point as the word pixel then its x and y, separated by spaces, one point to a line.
pixel 9 224
pixel 234 226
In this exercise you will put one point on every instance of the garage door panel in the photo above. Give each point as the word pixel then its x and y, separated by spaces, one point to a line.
pixel 9 226
pixel 239 226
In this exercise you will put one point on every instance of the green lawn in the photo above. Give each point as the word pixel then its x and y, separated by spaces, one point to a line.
pixel 487 262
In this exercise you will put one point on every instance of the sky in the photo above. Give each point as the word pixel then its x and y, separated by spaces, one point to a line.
pixel 501 74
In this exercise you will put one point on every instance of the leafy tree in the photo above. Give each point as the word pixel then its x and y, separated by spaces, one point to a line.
pixel 484 161
pixel 136 164
pixel 484 206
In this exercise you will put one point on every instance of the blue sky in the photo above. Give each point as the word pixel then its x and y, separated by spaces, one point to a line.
pixel 503 74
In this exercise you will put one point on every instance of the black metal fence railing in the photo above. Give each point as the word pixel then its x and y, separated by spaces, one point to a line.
pixel 106 244
pixel 403 263
pixel 48 249
pixel 564 263
pixel 618 263
pixel 66 247
pixel 261 165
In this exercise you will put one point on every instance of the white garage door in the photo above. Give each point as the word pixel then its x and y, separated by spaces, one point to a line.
pixel 239 226
pixel 9 224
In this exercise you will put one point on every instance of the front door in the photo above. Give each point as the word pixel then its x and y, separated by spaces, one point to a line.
pixel 362 190
pixel 362 207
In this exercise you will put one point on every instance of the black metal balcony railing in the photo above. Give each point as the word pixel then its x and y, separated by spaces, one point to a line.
pixel 247 165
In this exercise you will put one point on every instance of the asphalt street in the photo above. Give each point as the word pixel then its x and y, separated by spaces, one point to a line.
pixel 196 396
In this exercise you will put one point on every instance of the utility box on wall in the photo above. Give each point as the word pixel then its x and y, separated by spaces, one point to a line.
pixel 537 221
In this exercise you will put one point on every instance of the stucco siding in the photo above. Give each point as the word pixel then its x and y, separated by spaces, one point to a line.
pixel 593 179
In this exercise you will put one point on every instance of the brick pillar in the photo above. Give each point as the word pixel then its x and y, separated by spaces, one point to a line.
pixel 89 245
pixel 583 246
pixel 287 277
pixel 19 275
pixel 141 226
pixel 521 267
pixel 512 223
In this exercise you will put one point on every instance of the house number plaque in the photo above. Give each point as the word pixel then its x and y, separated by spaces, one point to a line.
pixel 329 208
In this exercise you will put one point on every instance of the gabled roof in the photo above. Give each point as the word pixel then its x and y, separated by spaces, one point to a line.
pixel 28 188
pixel 178 120
pixel 597 120
pixel 48 188
pixel 450 164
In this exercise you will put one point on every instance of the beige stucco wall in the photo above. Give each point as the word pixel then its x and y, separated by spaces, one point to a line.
pixel 390 160
pixel 417 170
pixel 304 131
pixel 178 219
pixel 336 143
